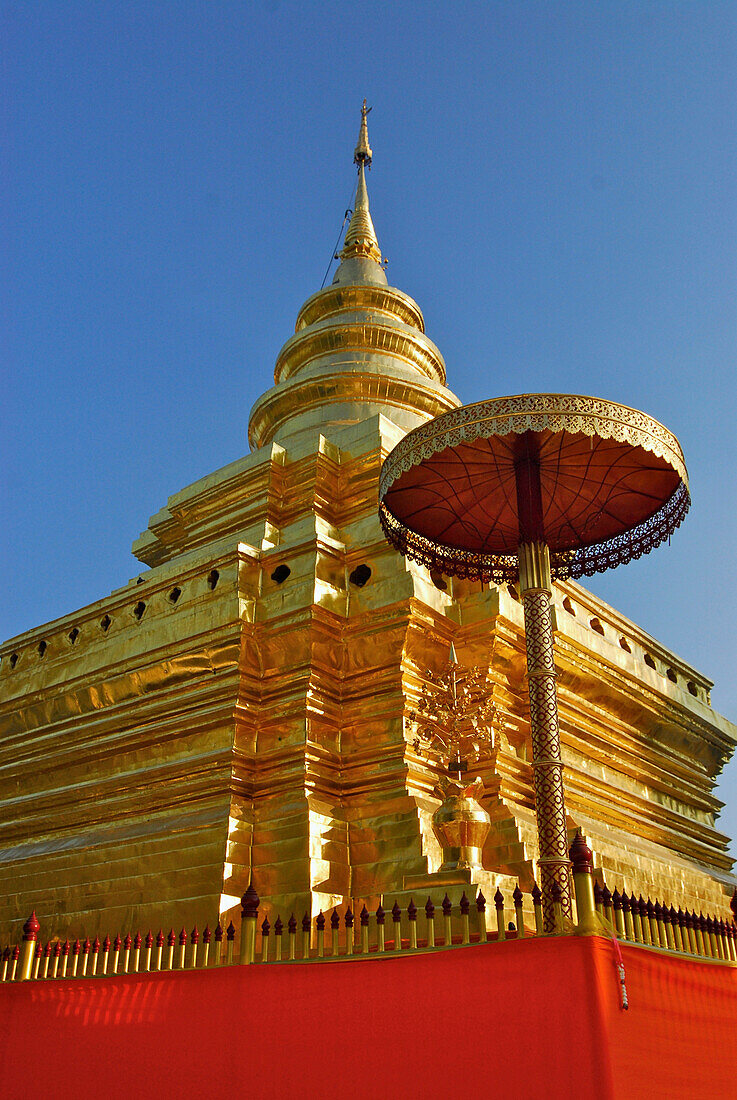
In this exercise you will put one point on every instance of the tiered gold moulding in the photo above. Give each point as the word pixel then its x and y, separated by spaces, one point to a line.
pixel 240 707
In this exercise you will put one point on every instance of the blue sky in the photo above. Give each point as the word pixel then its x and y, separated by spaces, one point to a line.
pixel 553 182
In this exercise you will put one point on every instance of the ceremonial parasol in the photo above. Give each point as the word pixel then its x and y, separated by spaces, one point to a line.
pixel 528 488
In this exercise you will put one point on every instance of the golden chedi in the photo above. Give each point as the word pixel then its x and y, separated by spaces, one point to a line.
pixel 242 707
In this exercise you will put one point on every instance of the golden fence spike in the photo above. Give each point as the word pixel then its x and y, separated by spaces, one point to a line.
pixel 57 959
pixel 306 923
pixel 501 933
pixel 30 935
pixel 629 927
pixel 86 946
pixel 481 917
pixel 335 933
pixel 292 930
pixel 48 950
pixel 37 956
pixel 278 930
pixel 675 924
pixel 249 917
pixel 206 941
pixel 447 921
pixel 582 859
pixel 230 942
pixel 363 918
pixel 430 914
pixel 519 919
pixel 64 958
pixel 348 921
pixel 75 957
pixel 194 940
pixel 159 949
pixel 320 928
pixel 381 916
pixel 397 920
pixel 171 940
pixel 618 913
pixel 265 930
pixel 6 964
pixel 137 941
pixel 149 951
pixel 670 939
pixel 182 949
pixel 412 920
pixel 217 955
pixel 465 907
pixel 14 962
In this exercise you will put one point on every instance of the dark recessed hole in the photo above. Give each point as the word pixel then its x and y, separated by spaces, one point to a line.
pixel 212 579
pixel 670 673
pixel 175 594
pixel 569 607
pixel 595 624
pixel 13 660
pixel 625 645
pixel 281 573
pixel 513 592
pixel 140 580
pixel 105 622
pixel 42 647
pixel 439 580
pixel 650 661
pixel 139 609
pixel 692 687
pixel 73 635
pixel 360 575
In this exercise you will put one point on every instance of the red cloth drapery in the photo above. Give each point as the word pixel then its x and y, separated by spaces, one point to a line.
pixel 532 1018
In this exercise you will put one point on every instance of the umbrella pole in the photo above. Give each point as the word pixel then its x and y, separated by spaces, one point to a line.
pixel 535 590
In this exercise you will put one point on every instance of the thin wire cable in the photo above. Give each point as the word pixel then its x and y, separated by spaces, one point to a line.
pixel 348 214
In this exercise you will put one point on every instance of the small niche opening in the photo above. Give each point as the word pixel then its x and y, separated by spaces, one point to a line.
pixel 569 607
pixel 650 661
pixel 105 622
pixel 13 660
pixel 595 624
pixel 42 647
pixel 691 688
pixel 73 635
pixel 438 580
pixel 625 645
pixel 139 609
pixel 174 594
pixel 140 580
pixel 280 574
pixel 360 576
pixel 671 674
pixel 212 579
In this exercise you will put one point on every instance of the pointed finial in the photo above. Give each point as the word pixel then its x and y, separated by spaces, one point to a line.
pixel 360 239
pixel 362 154
pixel 453 657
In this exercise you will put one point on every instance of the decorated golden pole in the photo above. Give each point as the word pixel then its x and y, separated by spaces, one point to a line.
pixel 249 916
pixel 30 934
pixel 527 488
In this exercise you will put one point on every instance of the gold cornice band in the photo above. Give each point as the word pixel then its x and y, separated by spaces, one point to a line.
pixel 371 335
pixel 281 404
pixel 357 297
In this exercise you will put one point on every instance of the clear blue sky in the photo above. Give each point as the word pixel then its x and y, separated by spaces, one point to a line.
pixel 553 182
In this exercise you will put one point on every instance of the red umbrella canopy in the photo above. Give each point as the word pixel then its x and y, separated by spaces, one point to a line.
pixel 598 482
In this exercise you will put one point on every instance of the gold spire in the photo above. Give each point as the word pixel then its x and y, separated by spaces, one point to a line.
pixel 360 238
pixel 362 154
